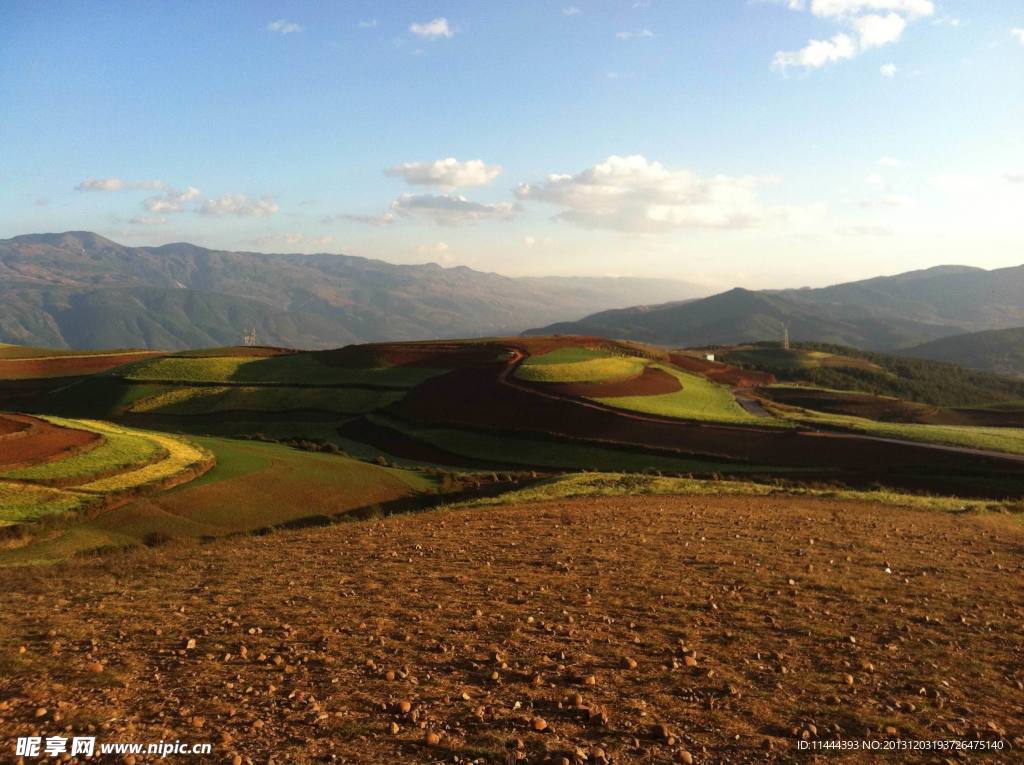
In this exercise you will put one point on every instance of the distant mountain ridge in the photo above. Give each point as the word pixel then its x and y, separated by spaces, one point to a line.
pixel 882 314
pixel 79 289
pixel 994 350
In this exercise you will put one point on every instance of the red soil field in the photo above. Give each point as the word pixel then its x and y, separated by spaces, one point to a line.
pixel 65 366
pixel 45 443
pixel 650 382
pixel 742 625
pixel 10 428
pixel 721 373
pixel 478 397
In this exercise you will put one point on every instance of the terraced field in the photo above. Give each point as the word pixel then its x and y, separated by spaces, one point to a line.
pixel 251 486
pixel 118 462
pixel 574 365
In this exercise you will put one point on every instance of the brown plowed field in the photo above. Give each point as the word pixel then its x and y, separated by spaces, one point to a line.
pixel 46 443
pixel 427 356
pixel 478 397
pixel 740 624
pixel 722 373
pixel 65 366
pixel 650 382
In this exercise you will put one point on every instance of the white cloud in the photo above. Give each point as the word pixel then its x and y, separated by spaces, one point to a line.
pixel 433 30
pixel 1014 177
pixel 888 70
pixel 817 54
pixel 383 219
pixel 876 31
pixel 634 195
pixel 368 24
pixel 571 10
pixel 838 8
pixel 447 173
pixel 171 201
pixel 450 209
pixel 117 184
pixel 1018 32
pixel 284 27
pixel 891 162
pixel 875 23
pixel 149 220
pixel 640 35
pixel 240 206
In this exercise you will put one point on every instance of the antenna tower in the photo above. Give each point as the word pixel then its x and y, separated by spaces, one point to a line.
pixel 785 336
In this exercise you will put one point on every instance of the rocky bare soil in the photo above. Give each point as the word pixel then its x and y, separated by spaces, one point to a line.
pixel 619 630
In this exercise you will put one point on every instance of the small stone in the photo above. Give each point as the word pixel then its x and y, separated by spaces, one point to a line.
pixel 628 662
pixel 685 757
pixel 539 724
pixel 41 712
pixel 190 644
pixel 848 679
pixel 393 728
pixel 431 738
pixel 96 667
pixel 404 707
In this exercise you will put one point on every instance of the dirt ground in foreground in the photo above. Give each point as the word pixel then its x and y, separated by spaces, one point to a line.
pixel 621 630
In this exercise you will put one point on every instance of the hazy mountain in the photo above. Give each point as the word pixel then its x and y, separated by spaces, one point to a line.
pixel 81 290
pixel 883 313
pixel 996 350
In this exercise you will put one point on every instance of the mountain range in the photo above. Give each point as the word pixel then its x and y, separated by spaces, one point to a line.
pixel 883 314
pixel 80 290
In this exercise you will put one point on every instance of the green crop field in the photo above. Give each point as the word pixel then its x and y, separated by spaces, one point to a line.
pixel 1009 440
pixel 290 369
pixel 699 399
pixel 206 400
pixel 568 355
pixel 23 502
pixel 597 369
pixel 557 454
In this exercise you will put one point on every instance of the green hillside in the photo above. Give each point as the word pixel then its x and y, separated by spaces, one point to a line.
pixel 998 350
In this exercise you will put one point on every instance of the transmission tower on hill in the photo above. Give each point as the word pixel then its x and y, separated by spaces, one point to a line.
pixel 249 338
pixel 785 336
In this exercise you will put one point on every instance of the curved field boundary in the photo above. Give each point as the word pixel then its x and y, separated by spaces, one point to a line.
pixel 44 443
pixel 182 457
pixel 174 461
pixel 119 451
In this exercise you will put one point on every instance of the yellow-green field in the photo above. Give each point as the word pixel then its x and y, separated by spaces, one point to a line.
pixel 571 365
pixel 126 461
pixel 699 399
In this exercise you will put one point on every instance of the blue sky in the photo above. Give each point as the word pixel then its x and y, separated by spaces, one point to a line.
pixel 763 143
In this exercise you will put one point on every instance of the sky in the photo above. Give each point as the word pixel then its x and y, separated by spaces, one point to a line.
pixel 755 143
